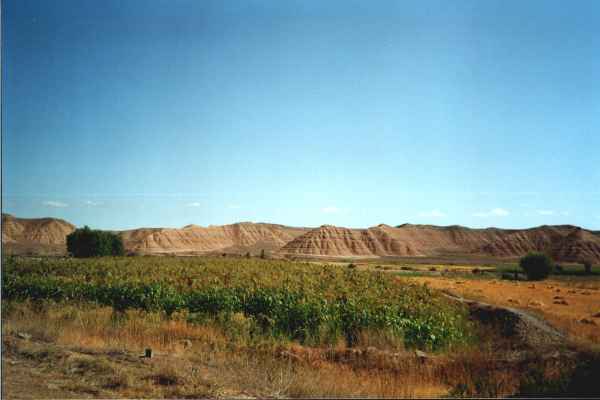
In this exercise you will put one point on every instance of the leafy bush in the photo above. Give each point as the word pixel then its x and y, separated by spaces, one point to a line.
pixel 86 242
pixel 587 266
pixel 537 266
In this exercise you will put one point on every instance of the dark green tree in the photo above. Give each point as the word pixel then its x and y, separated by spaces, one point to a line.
pixel 537 266
pixel 587 266
pixel 86 242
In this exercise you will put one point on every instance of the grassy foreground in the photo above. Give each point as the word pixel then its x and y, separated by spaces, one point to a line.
pixel 295 301
pixel 250 327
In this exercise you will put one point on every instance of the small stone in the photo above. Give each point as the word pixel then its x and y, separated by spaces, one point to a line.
pixel 557 290
pixel 187 343
pixel 558 298
pixel 597 315
pixel 420 354
pixel 513 301
pixel 370 351
pixel 24 336
pixel 536 303
pixel 587 321
pixel 561 302
pixel 586 293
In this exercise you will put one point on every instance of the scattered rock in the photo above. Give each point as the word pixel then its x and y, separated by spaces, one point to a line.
pixel 561 302
pixel 587 321
pixel 557 290
pixel 291 356
pixel 24 336
pixel 536 303
pixel 586 293
pixel 459 282
pixel 514 301
pixel 558 298
pixel 421 355
pixel 187 343
pixel 597 315
pixel 531 286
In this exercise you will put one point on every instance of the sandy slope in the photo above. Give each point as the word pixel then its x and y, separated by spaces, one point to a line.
pixel 48 231
pixel 241 237
pixel 565 242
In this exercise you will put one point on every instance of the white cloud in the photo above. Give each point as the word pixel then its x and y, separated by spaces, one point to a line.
pixel 330 210
pixel 92 203
pixel 57 204
pixel 546 212
pixel 432 214
pixel 553 212
pixel 194 204
pixel 495 212
pixel 234 206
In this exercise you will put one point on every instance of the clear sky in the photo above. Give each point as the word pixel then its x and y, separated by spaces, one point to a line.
pixel 123 113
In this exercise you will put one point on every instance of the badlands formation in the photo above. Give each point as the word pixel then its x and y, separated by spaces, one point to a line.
pixel 563 242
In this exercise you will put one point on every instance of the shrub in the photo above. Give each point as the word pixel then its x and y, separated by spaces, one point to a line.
pixel 86 242
pixel 587 265
pixel 537 266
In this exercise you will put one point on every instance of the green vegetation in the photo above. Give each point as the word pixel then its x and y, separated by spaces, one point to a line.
pixel 537 266
pixel 299 301
pixel 86 242
pixel 587 266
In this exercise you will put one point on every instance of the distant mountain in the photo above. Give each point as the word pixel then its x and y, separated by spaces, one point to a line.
pixel 35 235
pixel 236 238
pixel 37 230
pixel 562 242
pixel 566 243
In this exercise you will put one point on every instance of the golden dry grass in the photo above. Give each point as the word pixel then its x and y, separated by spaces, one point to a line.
pixel 579 317
pixel 97 354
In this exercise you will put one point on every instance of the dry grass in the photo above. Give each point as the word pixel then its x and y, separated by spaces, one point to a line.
pixel 578 315
pixel 96 354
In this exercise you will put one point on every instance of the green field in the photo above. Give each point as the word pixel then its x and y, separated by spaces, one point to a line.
pixel 309 303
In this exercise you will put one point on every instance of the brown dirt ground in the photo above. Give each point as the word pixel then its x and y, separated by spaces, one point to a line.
pixel 579 317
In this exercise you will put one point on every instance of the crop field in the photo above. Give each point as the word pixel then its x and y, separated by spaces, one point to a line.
pixel 299 301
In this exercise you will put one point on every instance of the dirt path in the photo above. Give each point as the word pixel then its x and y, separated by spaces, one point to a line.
pixel 531 331
pixel 571 310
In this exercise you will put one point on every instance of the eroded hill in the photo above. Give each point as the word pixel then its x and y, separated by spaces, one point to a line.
pixel 236 238
pixel 34 235
pixel 566 243
pixel 563 242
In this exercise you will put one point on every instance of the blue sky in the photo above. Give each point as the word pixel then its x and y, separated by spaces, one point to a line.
pixel 122 113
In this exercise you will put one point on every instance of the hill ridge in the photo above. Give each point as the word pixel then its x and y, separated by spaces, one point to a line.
pixel 563 242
